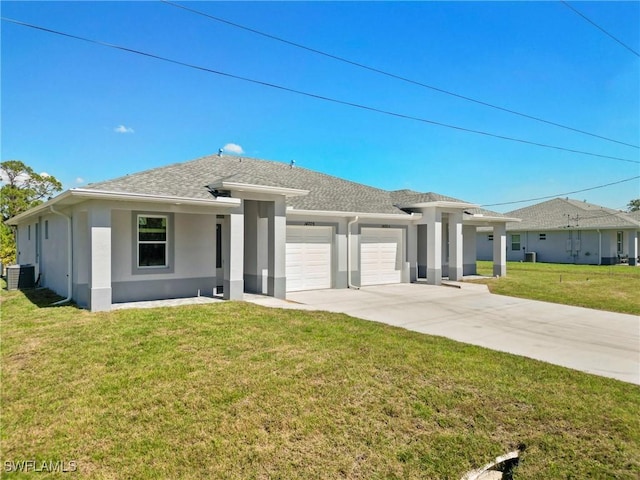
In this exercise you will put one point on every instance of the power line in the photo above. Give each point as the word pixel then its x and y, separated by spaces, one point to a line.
pixel 392 75
pixel 562 194
pixel 314 95
pixel 566 4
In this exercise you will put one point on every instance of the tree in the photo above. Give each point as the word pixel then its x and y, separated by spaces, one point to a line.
pixel 633 205
pixel 22 189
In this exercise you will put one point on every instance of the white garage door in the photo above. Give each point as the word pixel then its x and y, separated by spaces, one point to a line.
pixel 380 256
pixel 308 258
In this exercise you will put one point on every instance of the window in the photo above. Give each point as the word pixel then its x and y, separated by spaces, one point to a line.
pixel 490 237
pixel 542 236
pixel 515 242
pixel 619 242
pixel 218 245
pixel 152 241
pixel 46 229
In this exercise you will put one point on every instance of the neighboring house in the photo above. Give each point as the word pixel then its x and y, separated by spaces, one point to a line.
pixel 569 231
pixel 234 224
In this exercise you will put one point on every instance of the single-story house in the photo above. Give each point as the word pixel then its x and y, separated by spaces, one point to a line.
pixel 563 230
pixel 232 224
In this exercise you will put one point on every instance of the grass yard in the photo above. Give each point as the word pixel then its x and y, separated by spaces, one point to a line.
pixel 237 391
pixel 614 288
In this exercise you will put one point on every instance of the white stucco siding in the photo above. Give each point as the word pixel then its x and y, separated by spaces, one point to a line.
pixel 26 247
pixel 54 253
pixel 484 246
pixel 80 247
pixel 192 242
pixel 195 245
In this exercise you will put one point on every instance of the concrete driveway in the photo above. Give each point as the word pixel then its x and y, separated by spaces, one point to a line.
pixel 602 343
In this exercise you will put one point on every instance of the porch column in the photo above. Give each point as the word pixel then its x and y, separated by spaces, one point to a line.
pixel 277 235
pixel 455 246
pixel 633 247
pixel 500 249
pixel 233 255
pixel 99 259
pixel 433 219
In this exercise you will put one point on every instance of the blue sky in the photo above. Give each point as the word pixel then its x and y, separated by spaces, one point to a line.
pixel 86 113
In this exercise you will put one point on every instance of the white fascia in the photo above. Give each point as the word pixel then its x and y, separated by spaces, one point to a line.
pixel 76 195
pixel 329 213
pixel 247 187
pixel 442 204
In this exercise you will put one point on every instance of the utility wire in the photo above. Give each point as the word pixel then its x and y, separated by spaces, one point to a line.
pixel 566 4
pixel 562 194
pixel 313 95
pixel 392 75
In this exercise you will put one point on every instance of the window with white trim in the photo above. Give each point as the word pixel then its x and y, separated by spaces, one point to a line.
pixel 619 239
pixel 515 242
pixel 152 241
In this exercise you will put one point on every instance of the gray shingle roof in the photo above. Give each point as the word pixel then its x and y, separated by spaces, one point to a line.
pixel 190 180
pixel 410 197
pixel 562 213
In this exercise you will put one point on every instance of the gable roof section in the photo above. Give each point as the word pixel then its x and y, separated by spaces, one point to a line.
pixel 190 180
pixel 326 193
pixel 564 213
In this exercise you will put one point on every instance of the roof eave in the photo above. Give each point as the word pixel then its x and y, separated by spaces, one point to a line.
pixel 76 195
pixel 253 188
pixel 440 204
pixel 334 213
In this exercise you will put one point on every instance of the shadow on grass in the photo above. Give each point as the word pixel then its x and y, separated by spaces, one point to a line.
pixel 42 297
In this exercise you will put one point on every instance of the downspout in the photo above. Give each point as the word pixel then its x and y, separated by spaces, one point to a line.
pixel 349 284
pixel 599 247
pixel 69 258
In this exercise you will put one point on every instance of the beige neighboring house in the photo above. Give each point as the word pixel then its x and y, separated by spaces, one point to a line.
pixel 228 224
pixel 563 230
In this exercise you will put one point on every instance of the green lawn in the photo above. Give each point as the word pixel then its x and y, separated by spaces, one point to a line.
pixel 234 390
pixel 615 288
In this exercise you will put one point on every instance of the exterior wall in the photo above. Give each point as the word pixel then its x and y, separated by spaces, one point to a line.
pixel 80 227
pixel 26 246
pixel 193 263
pixel 564 246
pixel 53 253
pixel 469 250
pixel 484 246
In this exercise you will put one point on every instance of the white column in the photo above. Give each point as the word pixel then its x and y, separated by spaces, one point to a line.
pixel 99 259
pixel 633 247
pixel 433 219
pixel 233 256
pixel 455 246
pixel 277 280
pixel 500 249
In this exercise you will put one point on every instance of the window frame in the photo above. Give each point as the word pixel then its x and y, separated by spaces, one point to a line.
pixel 168 267
pixel 620 242
pixel 514 243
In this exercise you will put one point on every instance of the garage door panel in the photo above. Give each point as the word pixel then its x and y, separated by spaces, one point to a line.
pixel 380 256
pixel 308 257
